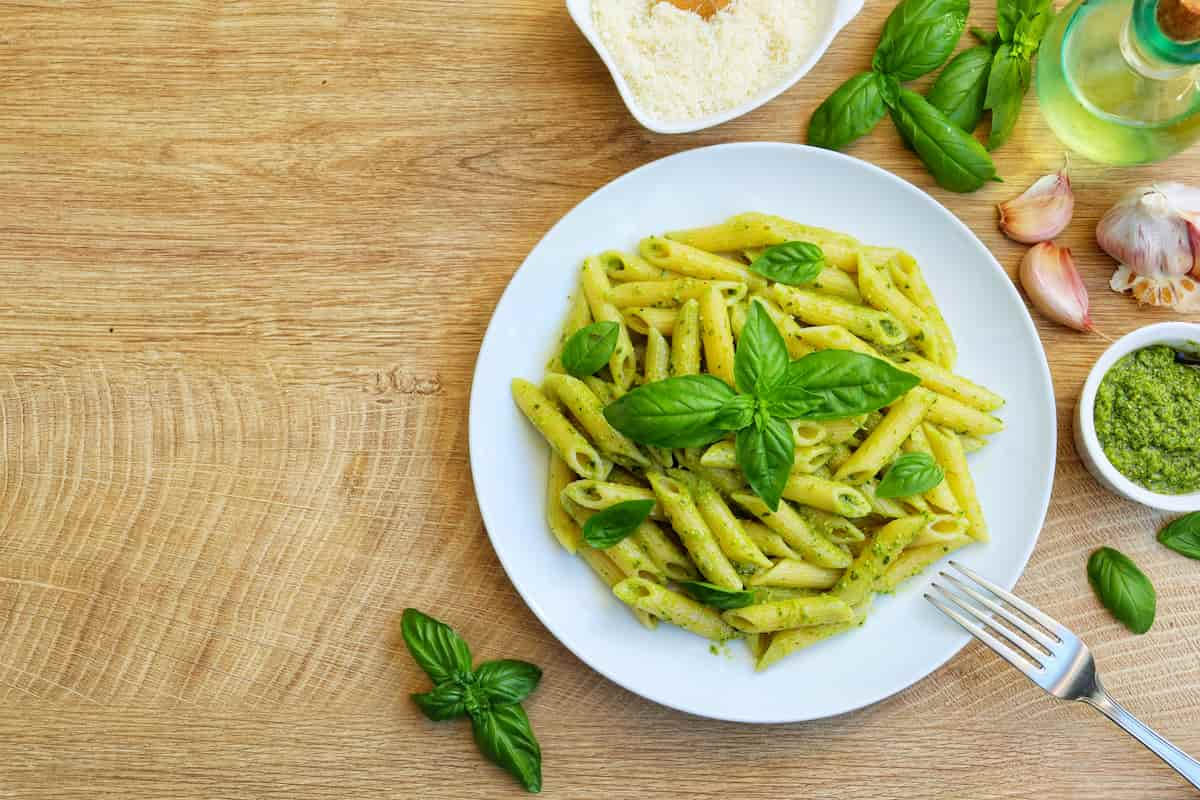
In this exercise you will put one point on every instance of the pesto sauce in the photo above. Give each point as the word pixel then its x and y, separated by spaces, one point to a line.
pixel 1148 420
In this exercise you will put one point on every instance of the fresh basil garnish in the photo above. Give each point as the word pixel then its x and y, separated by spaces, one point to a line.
pixel 736 414
pixel 762 356
pixel 445 701
pixel 590 348
pixel 955 158
pixel 491 695
pixel 1122 588
pixel 676 412
pixel 919 36
pixel 504 735
pixel 507 680
pixel 910 474
pixel 716 597
pixel 959 92
pixel 608 527
pixel 435 646
pixel 845 384
pixel 766 452
pixel 1183 535
pixel 1007 83
pixel 793 263
pixel 851 111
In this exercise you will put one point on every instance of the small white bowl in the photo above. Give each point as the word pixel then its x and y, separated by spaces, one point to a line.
pixel 842 12
pixel 1087 444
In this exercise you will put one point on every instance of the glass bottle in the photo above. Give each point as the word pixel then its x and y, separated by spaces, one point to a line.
pixel 1117 79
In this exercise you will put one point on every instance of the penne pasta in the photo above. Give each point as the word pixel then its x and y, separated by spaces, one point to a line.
pixel 818 309
pixel 694 262
pixel 904 415
pixel 626 267
pixel 961 418
pixel 716 335
pixel 812 546
pixel 579 316
pixel 856 583
pixel 795 613
pixel 599 495
pixel 790 573
pixel 948 451
pixel 785 643
pixel 558 431
pixel 642 319
pixel 596 286
pixel 793 334
pixel 670 558
pixel 674 608
pixel 671 293
pixel 939 496
pixel 693 531
pixel 827 495
pixel 908 278
pixel 561 525
pixel 588 411
pixel 609 573
pixel 685 341
pixel 941 380
pixel 726 528
pixel 875 283
pixel 768 541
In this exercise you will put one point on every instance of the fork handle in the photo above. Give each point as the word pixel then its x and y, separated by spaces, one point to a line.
pixel 1178 760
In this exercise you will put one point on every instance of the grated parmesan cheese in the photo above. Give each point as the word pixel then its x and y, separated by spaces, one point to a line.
pixel 680 66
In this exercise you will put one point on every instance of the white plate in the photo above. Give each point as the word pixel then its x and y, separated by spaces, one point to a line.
pixel 904 638
pixel 839 13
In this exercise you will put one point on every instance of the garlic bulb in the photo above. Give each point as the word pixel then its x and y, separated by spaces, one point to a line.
pixel 1049 277
pixel 1154 232
pixel 1041 212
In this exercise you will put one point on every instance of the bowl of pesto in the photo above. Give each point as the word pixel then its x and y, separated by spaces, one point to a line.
pixel 1137 425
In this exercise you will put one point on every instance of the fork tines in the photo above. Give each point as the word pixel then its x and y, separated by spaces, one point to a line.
pixel 1026 640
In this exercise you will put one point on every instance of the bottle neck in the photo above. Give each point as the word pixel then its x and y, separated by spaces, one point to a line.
pixel 1147 40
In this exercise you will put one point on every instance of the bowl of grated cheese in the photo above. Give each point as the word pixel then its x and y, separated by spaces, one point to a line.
pixel 678 71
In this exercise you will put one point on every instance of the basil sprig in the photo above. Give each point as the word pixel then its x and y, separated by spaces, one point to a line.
pixel 910 474
pixel 608 527
pixel 793 263
pixel 716 597
pixel 917 38
pixel 490 695
pixel 590 348
pixel 1183 535
pixel 1122 588
pixel 997 75
pixel 959 92
pixel 695 410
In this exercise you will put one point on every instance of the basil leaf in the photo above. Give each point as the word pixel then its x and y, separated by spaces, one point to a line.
pixel 1007 83
pixel 590 348
pixel 1122 588
pixel 1183 535
pixel 960 90
pixel 716 597
pixel 504 735
pixel 919 36
pixel 792 402
pixel 735 414
pixel 676 412
pixel 910 474
pixel 610 526
pixel 1032 26
pixel 955 159
pixel 1009 14
pixel 793 263
pixel 984 38
pixel 765 453
pixel 851 111
pixel 446 701
pixel 762 355
pixel 846 384
pixel 435 646
pixel 507 680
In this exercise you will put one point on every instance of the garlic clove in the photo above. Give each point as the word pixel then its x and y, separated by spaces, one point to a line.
pixel 1049 277
pixel 1041 212
pixel 1154 232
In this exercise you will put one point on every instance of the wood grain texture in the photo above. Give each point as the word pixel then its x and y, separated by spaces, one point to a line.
pixel 248 253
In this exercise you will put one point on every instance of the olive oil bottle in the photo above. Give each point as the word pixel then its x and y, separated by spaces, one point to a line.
pixel 1117 79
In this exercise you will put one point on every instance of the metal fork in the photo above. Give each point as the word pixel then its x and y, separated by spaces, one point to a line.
pixel 1050 655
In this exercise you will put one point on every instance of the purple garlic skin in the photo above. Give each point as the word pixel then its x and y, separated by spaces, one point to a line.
pixel 1154 234
pixel 1041 212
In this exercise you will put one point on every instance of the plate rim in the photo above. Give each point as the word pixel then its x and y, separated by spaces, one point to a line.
pixel 564 637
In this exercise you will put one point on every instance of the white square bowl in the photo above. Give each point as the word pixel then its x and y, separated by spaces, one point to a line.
pixel 841 12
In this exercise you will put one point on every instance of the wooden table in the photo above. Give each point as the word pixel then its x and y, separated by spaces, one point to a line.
pixel 248 253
